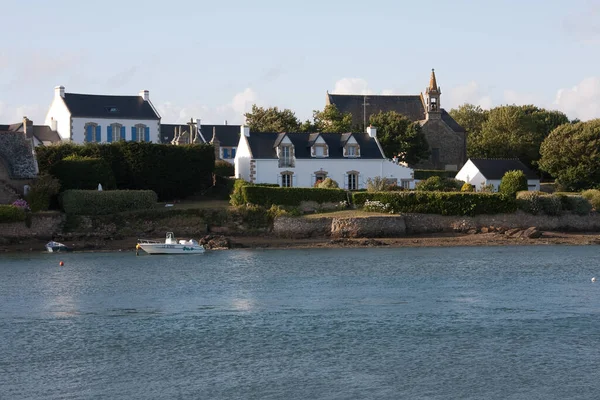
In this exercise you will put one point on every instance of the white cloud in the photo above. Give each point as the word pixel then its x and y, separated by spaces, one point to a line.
pixel 581 101
pixel 468 93
pixel 352 86
pixel 232 112
pixel 11 114
pixel 514 97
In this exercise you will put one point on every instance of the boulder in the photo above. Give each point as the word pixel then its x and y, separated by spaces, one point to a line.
pixel 532 233
pixel 215 242
pixel 512 232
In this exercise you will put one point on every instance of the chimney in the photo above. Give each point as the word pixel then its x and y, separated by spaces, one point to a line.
pixel 53 124
pixel 145 94
pixel 59 91
pixel 245 130
pixel 27 127
pixel 372 131
pixel 199 130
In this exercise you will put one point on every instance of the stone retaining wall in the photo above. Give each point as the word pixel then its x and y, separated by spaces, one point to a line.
pixel 43 226
pixel 376 226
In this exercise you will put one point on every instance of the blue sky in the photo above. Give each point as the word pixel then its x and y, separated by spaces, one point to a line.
pixel 212 60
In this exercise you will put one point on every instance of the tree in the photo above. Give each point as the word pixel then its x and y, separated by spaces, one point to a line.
pixel 471 118
pixel 570 154
pixel 399 135
pixel 329 120
pixel 272 119
pixel 513 182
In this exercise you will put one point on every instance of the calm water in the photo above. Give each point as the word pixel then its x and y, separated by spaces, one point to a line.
pixel 443 323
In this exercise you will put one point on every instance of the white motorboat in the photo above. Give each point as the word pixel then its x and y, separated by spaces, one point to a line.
pixel 170 246
pixel 56 247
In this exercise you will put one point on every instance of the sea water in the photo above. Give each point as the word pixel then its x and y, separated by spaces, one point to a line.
pixel 413 323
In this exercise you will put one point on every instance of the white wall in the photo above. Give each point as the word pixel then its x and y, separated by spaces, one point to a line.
pixel 242 159
pixel 79 127
pixel 59 111
pixel 268 171
pixel 470 174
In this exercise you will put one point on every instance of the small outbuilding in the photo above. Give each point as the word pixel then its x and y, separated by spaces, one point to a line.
pixel 481 172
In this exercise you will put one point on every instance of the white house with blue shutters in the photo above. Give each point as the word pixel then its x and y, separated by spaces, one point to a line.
pixel 91 118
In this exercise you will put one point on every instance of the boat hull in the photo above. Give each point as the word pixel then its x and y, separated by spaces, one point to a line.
pixel 162 248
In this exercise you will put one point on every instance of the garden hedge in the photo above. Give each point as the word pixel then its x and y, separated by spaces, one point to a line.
pixel 422 174
pixel 94 202
pixel 172 172
pixel 9 213
pixel 443 203
pixel 77 172
pixel 267 196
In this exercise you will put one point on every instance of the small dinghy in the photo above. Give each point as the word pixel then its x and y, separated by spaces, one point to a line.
pixel 170 246
pixel 56 247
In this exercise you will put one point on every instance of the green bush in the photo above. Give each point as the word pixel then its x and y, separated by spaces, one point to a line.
pixel 577 204
pixel 551 205
pixel 224 168
pixel 328 183
pixel 377 184
pixel 10 213
pixel 267 196
pixel 443 203
pixel 173 172
pixel 237 197
pixel 593 196
pixel 422 174
pixel 43 190
pixel 467 187
pixel 529 202
pixel 435 183
pixel 76 172
pixel 94 202
pixel 513 182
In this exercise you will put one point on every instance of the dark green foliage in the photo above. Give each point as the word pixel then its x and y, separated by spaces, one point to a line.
pixel 443 203
pixel 513 182
pixel 40 196
pixel 237 197
pixel 224 168
pixel 435 183
pixel 77 172
pixel 529 202
pixel 577 204
pixel 398 135
pixel 423 174
pixel 93 202
pixel 268 196
pixel 551 205
pixel 171 171
pixel 593 196
pixel 10 213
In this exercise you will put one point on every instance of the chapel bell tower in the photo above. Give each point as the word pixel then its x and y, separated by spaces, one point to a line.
pixel 432 98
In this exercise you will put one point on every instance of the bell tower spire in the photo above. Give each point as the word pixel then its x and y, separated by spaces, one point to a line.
pixel 432 98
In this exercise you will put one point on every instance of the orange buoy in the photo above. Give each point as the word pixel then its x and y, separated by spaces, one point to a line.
pixel 61 263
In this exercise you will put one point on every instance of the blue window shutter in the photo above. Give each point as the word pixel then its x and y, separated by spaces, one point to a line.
pixel 123 133
pixel 133 135
pixel 98 134
pixel 109 137
pixel 88 133
pixel 233 152
pixel 147 134
pixel 225 153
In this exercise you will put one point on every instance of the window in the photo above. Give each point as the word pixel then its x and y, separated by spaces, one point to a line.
pixel 285 156
pixel 435 156
pixel 233 152
pixel 433 104
pixel 92 133
pixel 406 183
pixel 352 150
pixel 112 110
pixel 140 133
pixel 319 150
pixel 286 179
pixel 352 180
pixel 116 133
pixel 225 153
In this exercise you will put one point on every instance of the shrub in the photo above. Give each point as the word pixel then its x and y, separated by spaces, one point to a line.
pixel 76 172
pixel 267 196
pixel 171 171
pixel 42 192
pixel 10 213
pixel 513 182
pixel 377 206
pixel 467 187
pixel 443 203
pixel 529 202
pixel 422 174
pixel 224 168
pixel 574 203
pixel 328 183
pixel 237 197
pixel 93 202
pixel 22 204
pixel 593 196
pixel 377 184
pixel 489 188
pixel 435 183
pixel 551 205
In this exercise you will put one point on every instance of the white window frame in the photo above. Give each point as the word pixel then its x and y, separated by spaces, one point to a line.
pixel 85 128
pixel 140 132
pixel 352 180
pixel 287 179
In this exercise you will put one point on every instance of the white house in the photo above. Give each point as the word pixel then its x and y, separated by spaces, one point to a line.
pixel 479 172
pixel 301 159
pixel 84 118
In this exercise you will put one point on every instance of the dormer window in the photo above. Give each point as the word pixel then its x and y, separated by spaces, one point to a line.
pixel 286 155
pixel 319 150
pixel 112 110
pixel 352 150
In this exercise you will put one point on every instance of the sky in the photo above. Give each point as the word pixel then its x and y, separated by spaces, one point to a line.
pixel 213 60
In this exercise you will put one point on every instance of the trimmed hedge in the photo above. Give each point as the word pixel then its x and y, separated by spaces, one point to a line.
pixel 538 202
pixel 268 196
pixel 173 172
pixel 85 173
pixel 224 168
pixel 443 203
pixel 435 183
pixel 93 202
pixel 10 213
pixel 422 174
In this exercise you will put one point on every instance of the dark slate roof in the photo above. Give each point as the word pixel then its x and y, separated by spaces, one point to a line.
pixel 102 106
pixel 409 106
pixel 44 133
pixel 16 151
pixel 451 122
pixel 496 168
pixel 262 145
pixel 228 135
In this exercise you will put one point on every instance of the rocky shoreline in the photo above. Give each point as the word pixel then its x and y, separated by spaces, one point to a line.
pixel 512 237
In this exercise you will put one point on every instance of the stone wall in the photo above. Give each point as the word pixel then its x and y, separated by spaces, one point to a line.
pixel 451 145
pixel 392 226
pixel 43 226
